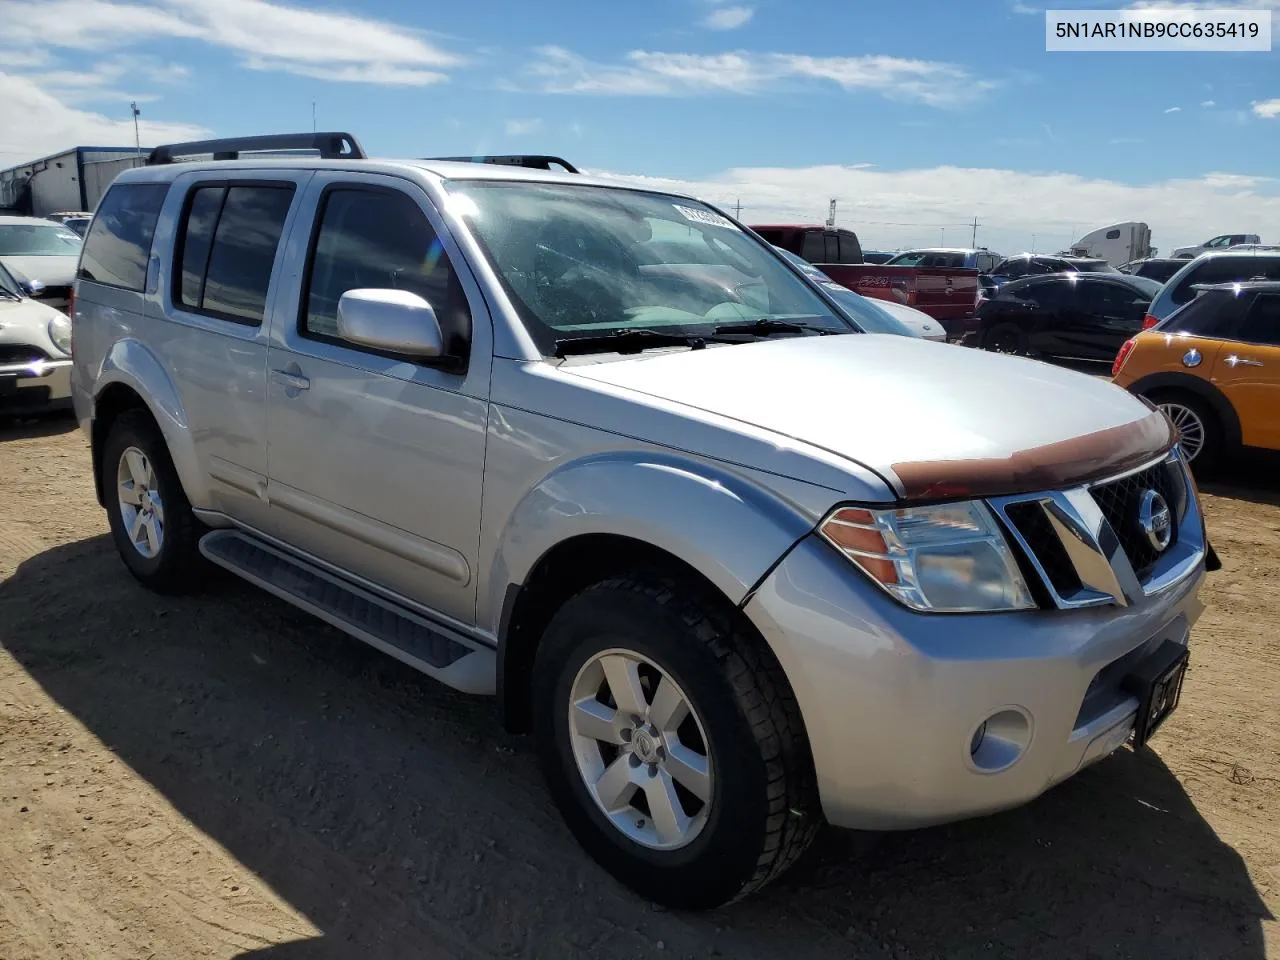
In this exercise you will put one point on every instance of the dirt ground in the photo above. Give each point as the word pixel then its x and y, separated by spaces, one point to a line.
pixel 222 776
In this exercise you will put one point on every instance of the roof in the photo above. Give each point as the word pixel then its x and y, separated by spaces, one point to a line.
pixel 1232 252
pixel 1268 286
pixel 790 226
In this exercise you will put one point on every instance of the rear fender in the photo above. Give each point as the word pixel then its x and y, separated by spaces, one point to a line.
pixel 130 363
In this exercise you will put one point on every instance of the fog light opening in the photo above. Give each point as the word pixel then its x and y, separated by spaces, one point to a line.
pixel 1000 741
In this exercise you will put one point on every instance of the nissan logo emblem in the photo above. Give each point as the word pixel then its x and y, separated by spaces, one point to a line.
pixel 1156 520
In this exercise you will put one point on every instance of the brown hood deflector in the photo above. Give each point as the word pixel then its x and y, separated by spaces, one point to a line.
pixel 1054 466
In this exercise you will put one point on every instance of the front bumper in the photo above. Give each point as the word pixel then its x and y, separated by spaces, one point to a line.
pixel 892 699
pixel 36 387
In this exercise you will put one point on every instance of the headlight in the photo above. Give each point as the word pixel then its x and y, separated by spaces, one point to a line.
pixel 60 333
pixel 947 558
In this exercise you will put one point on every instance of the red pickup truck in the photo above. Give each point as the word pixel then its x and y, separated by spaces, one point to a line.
pixel 948 294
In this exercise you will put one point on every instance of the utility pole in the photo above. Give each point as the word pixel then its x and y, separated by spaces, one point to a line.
pixel 1033 243
pixel 974 242
pixel 737 208
pixel 831 213
pixel 137 140
pixel 313 116
pixel 944 237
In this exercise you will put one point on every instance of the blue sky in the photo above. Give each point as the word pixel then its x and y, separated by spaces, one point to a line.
pixel 915 116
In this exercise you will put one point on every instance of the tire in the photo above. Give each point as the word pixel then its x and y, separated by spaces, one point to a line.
pixel 761 810
pixel 1190 414
pixel 169 561
pixel 1005 338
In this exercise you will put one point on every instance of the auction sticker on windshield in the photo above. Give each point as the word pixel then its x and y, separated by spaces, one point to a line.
pixel 704 216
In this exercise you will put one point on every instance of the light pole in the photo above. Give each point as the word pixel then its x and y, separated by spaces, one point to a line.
pixel 137 140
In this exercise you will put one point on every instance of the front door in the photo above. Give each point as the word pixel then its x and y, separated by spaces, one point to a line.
pixel 376 459
pixel 1111 313
pixel 1247 370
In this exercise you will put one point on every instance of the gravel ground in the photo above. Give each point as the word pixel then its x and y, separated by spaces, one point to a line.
pixel 222 776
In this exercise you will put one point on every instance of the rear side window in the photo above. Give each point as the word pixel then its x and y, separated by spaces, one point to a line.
pixel 813 248
pixel 1262 322
pixel 227 248
pixel 1229 269
pixel 118 246
pixel 850 248
pixel 380 239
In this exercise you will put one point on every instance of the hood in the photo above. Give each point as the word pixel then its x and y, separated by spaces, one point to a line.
pixel 51 271
pixel 934 420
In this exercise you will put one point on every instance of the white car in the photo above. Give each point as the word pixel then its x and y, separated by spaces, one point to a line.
pixel 1221 242
pixel 36 250
pixel 35 352
pixel 868 312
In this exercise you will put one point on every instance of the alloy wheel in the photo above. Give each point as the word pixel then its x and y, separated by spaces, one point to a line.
pixel 139 501
pixel 641 749
pixel 1190 427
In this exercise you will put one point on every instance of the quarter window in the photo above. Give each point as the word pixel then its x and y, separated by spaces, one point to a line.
pixel 380 239
pixel 228 244
pixel 118 247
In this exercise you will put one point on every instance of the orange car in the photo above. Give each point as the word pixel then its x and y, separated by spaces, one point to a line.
pixel 1214 367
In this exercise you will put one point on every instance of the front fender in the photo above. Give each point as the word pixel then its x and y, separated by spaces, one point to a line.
pixel 717 520
pixel 132 364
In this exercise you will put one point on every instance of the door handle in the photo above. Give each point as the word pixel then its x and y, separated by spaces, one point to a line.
pixel 293 381
pixel 1243 362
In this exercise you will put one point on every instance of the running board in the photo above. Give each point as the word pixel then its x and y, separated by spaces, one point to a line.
pixel 438 652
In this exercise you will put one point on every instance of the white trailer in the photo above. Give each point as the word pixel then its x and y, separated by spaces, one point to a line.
pixel 1117 244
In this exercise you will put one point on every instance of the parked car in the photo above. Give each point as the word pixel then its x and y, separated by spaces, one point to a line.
pixel 78 225
pixel 1034 265
pixel 1220 242
pixel 814 243
pixel 875 256
pixel 1208 269
pixel 1159 269
pixel 947 294
pixel 1213 366
pixel 980 258
pixel 1084 316
pixel 873 316
pixel 35 352
pixel 38 251
pixel 739 569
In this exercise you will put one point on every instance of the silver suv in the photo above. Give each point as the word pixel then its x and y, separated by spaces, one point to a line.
pixel 601 452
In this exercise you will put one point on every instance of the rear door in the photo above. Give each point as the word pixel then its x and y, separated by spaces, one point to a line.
pixel 1110 313
pixel 1247 371
pixel 1048 323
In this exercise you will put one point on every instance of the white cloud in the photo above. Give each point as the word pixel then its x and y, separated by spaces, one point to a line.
pixel 34 123
pixel 520 128
pixel 728 18
pixel 1208 103
pixel 101 81
pixel 1267 109
pixel 907 207
pixel 1174 110
pixel 649 73
pixel 323 44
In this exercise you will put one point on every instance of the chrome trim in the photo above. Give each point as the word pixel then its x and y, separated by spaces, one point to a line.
pixel 1093 549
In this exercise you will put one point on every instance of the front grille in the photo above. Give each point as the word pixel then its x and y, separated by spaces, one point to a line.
pixel 1120 502
pixel 1045 546
pixel 20 353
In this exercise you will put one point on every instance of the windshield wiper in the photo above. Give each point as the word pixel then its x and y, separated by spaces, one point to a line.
pixel 767 326
pixel 627 341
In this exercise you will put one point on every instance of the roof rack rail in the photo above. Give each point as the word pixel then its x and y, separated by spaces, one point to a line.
pixel 534 161
pixel 330 146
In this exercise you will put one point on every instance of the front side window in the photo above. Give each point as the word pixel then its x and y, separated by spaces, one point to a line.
pixel 1013 269
pixel 1049 295
pixel 380 239
pixel 1262 322
pixel 585 261
pixel 227 248
pixel 118 246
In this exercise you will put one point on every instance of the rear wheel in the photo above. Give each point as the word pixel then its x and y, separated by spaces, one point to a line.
pixel 672 743
pixel 1004 338
pixel 1200 433
pixel 151 521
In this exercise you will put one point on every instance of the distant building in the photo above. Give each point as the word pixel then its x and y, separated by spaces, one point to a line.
pixel 72 180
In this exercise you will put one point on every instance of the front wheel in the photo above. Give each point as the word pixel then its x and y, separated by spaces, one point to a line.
pixel 672 743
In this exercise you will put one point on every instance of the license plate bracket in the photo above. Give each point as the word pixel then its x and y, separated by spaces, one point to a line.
pixel 1157 683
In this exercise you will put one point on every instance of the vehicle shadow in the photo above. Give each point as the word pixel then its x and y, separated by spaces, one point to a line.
pixel 33 428
pixel 399 819
pixel 1252 476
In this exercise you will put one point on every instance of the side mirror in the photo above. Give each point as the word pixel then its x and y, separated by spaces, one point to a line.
pixel 394 320
pixel 32 288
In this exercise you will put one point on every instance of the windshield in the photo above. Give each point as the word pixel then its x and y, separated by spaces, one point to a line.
pixel 584 261
pixel 1145 286
pixel 927 258
pixel 38 240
